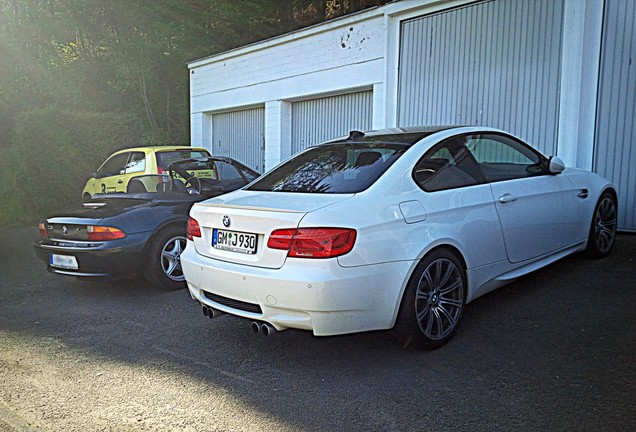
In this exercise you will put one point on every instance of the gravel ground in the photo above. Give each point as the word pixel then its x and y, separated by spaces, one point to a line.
pixel 553 351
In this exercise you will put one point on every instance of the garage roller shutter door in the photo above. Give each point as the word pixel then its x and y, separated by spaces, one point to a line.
pixel 615 145
pixel 240 135
pixel 317 120
pixel 494 63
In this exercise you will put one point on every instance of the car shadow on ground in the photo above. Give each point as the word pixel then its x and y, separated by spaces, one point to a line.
pixel 542 350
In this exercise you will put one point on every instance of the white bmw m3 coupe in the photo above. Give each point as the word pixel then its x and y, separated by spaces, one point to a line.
pixel 398 228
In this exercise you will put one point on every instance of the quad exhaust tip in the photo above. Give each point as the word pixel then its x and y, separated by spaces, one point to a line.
pixel 265 328
pixel 211 313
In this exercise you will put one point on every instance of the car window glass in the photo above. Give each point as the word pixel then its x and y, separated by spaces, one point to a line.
pixel 503 158
pixel 332 168
pixel 201 167
pixel 227 171
pixel 230 177
pixel 236 171
pixel 448 165
pixel 136 163
pixel 165 158
pixel 249 175
pixel 115 165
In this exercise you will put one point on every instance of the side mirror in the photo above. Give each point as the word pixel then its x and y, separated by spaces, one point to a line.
pixel 556 165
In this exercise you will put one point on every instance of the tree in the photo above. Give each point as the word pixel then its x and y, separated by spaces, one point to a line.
pixel 129 57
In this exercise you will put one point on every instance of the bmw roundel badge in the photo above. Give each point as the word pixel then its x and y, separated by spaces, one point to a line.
pixel 226 221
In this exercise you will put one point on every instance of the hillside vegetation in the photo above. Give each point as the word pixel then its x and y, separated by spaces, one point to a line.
pixel 80 79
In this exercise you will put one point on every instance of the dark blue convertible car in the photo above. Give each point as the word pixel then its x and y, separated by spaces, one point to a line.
pixel 140 232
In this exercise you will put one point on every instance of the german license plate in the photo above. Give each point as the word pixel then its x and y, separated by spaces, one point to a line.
pixel 67 262
pixel 234 241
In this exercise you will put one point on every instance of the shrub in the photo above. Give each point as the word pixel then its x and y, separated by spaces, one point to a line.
pixel 50 156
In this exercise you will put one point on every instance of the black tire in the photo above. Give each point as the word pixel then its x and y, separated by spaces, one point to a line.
pixel 163 265
pixel 433 302
pixel 602 234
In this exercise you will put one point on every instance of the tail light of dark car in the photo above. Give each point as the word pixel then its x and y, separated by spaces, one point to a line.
pixel 101 233
pixel 313 242
pixel 43 232
pixel 80 232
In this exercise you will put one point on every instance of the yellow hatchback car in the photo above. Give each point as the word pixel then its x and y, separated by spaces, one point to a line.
pixel 121 166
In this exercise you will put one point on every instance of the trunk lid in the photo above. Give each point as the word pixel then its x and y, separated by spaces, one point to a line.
pixel 71 224
pixel 245 214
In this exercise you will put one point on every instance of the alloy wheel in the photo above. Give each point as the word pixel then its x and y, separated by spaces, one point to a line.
pixel 171 258
pixel 605 224
pixel 439 299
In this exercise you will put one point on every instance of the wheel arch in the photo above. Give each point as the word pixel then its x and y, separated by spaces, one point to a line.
pixel 612 191
pixel 158 230
pixel 155 270
pixel 447 246
pixel 608 188
pixel 601 236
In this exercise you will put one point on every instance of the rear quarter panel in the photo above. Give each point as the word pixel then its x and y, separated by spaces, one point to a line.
pixel 152 217
pixel 464 219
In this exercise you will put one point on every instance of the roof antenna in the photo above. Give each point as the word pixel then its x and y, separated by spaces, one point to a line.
pixel 354 134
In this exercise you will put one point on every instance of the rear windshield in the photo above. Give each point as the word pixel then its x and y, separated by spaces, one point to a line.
pixel 332 168
pixel 165 158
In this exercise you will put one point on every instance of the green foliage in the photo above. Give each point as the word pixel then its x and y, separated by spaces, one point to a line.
pixel 11 210
pixel 123 59
pixel 51 157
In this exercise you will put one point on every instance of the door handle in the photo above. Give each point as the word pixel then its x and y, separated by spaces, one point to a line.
pixel 120 181
pixel 506 198
pixel 584 193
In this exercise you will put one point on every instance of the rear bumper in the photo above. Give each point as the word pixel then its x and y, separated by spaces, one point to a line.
pixel 123 257
pixel 316 295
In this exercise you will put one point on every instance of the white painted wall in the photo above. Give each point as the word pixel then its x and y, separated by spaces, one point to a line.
pixel 579 81
pixel 362 51
pixel 340 56
pixel 278 130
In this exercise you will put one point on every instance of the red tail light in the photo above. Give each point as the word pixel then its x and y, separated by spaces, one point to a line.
pixel 313 242
pixel 194 230
pixel 101 233
pixel 43 232
pixel 281 239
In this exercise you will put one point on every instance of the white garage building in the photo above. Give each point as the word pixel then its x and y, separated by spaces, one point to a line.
pixel 557 73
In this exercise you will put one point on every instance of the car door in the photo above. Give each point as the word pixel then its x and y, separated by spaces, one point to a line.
pixel 135 166
pixel 110 176
pixel 458 198
pixel 539 212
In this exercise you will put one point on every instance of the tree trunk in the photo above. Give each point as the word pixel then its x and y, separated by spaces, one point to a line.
pixel 151 117
pixel 321 9
pixel 285 10
pixel 168 131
